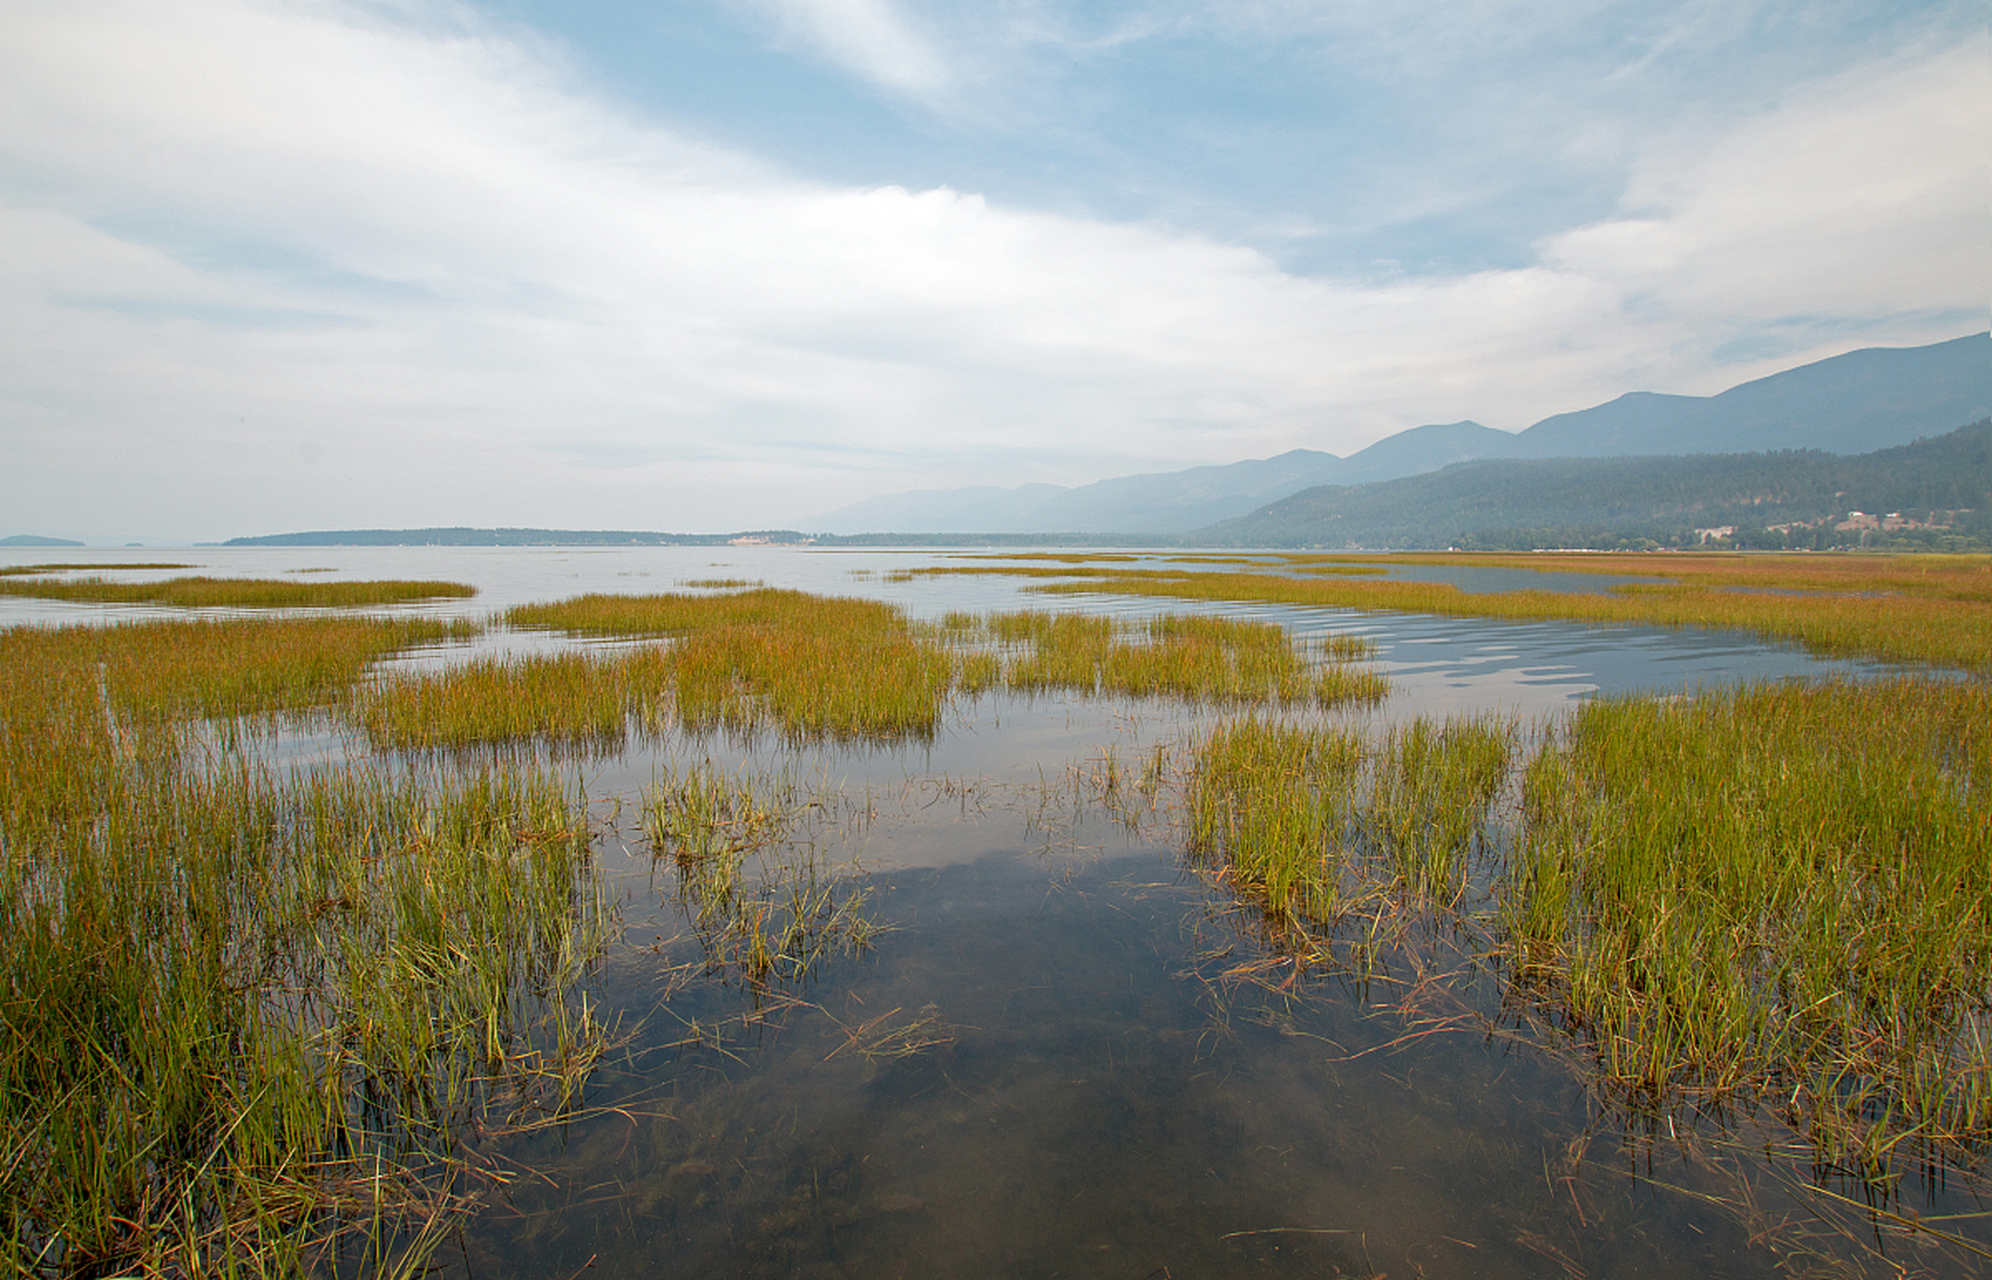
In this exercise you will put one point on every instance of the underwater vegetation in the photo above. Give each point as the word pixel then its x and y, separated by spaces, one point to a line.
pixel 764 905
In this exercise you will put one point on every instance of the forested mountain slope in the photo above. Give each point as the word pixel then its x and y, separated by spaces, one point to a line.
pixel 1787 498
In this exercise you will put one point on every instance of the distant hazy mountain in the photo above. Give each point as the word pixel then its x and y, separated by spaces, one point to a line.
pixel 1856 403
pixel 981 509
pixel 1158 503
pixel 1782 498
pixel 36 540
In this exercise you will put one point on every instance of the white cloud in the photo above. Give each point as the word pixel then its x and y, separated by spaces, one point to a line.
pixel 1868 196
pixel 869 37
pixel 276 265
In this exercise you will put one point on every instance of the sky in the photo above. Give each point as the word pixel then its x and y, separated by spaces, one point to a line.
pixel 711 265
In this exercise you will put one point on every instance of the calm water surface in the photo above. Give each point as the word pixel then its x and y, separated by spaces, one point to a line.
pixel 1067 1054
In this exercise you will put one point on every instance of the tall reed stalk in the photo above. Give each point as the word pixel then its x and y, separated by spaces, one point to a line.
pixel 246 1013
pixel 1785 888
pixel 1195 658
pixel 764 906
pixel 1306 820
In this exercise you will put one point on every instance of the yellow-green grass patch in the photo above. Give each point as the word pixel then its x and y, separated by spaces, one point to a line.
pixel 1195 658
pixel 15 569
pixel 805 666
pixel 1945 623
pixel 237 593
pixel 242 1011
pixel 1785 888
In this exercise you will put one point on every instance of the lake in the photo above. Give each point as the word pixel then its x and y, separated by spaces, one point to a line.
pixel 1065 1052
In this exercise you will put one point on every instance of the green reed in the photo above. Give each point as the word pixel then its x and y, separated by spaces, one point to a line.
pixel 12 570
pixel 1271 806
pixel 1785 888
pixel 236 593
pixel 804 666
pixel 762 903
pixel 1307 821
pixel 1430 794
pixel 1197 658
pixel 571 700
pixel 244 1012
pixel 1935 609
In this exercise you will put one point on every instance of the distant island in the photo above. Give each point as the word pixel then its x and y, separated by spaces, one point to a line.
pixel 459 536
pixel 1932 495
pixel 36 540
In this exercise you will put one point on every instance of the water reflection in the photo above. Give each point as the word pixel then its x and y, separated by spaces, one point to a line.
pixel 1059 1052
pixel 1103 1103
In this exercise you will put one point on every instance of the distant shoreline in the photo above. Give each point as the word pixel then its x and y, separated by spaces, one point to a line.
pixel 507 537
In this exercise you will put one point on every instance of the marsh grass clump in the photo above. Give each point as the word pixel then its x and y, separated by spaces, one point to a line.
pixel 1775 894
pixel 807 667
pixel 1935 608
pixel 678 613
pixel 1430 793
pixel 573 701
pixel 1309 821
pixel 1783 889
pixel 249 1014
pixel 236 593
pixel 706 822
pixel 751 880
pixel 1271 806
pixel 813 682
pixel 1194 658
pixel 14 570
pixel 217 669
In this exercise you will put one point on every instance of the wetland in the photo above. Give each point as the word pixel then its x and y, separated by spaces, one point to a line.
pixel 750 911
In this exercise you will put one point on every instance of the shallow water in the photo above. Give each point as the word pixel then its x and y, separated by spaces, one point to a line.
pixel 1437 664
pixel 1104 1100
pixel 1067 1053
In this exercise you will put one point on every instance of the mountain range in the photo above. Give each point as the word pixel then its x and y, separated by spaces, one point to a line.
pixel 1860 402
pixel 1932 494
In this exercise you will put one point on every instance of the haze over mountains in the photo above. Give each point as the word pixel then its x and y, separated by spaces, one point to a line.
pixel 1932 495
pixel 1875 398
